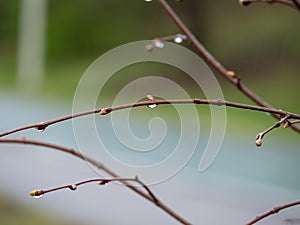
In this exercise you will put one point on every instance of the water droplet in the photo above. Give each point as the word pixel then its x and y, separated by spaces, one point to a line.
pixel 73 187
pixel 258 142
pixel 159 44
pixel 37 196
pixel 151 106
pixel 178 40
pixel 268 114
pixel 41 127
pixel 148 0
pixel 151 99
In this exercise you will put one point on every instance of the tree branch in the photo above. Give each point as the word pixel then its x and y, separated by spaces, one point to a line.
pixel 100 166
pixel 101 181
pixel 151 102
pixel 273 211
pixel 260 136
pixel 231 76
pixel 291 3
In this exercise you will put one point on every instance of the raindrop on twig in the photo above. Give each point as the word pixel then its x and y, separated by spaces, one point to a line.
pixel 151 99
pixel 179 38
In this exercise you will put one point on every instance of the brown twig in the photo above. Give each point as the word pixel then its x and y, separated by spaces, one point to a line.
pixel 106 110
pixel 260 136
pixel 273 211
pixel 101 167
pixel 44 125
pixel 231 76
pixel 288 123
pixel 101 181
pixel 292 3
pixel 159 42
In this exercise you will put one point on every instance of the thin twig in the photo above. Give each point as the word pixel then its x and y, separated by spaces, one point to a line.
pixel 106 110
pixel 289 123
pixel 231 76
pixel 273 211
pixel 159 42
pixel 101 181
pixel 101 167
pixel 292 3
pixel 260 136
pixel 44 125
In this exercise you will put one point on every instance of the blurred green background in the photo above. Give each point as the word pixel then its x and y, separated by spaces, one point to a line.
pixel 260 42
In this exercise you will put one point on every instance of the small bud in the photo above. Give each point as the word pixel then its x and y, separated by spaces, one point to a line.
pixel 286 125
pixel 258 142
pixel 73 187
pixel 41 126
pixel 244 2
pixel 151 98
pixel 36 193
pixel 103 182
pixel 231 74
pixel 105 111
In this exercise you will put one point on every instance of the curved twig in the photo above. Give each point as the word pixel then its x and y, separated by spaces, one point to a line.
pixel 101 167
pixel 101 181
pixel 231 76
pixel 260 136
pixel 291 3
pixel 106 110
pixel 273 211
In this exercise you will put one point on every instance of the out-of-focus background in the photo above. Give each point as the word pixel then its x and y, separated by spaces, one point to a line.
pixel 45 48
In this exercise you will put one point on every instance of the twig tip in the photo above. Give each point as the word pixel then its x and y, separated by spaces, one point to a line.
pixel 36 193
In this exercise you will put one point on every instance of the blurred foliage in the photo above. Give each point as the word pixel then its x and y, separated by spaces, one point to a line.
pixel 14 213
pixel 260 42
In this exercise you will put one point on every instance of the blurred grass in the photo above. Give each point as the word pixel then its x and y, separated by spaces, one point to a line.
pixel 14 213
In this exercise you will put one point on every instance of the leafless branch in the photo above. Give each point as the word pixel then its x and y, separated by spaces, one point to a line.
pixel 260 136
pixel 230 75
pixel 216 102
pixel 273 211
pixel 292 3
pixel 100 166
pixel 101 181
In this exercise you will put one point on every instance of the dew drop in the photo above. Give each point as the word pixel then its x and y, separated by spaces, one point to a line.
pixel 41 127
pixel 159 44
pixel 73 187
pixel 148 0
pixel 39 196
pixel 152 106
pixel 151 99
pixel 178 40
